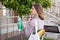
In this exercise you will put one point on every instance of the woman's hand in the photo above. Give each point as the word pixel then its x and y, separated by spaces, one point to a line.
pixel 29 20
pixel 41 32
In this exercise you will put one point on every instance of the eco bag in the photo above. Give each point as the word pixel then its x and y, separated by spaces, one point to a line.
pixel 36 35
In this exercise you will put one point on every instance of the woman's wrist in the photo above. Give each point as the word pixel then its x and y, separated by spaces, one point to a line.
pixel 28 22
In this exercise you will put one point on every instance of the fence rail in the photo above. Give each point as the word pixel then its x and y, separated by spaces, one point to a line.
pixel 8 28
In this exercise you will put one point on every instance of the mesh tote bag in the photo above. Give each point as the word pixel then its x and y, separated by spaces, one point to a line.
pixel 35 36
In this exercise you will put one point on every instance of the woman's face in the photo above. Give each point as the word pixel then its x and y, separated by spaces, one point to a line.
pixel 33 11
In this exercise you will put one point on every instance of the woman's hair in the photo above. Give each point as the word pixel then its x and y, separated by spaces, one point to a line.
pixel 39 10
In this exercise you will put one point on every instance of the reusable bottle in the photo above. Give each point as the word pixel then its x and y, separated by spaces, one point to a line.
pixel 19 24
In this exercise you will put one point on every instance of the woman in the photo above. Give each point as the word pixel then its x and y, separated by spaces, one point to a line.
pixel 36 13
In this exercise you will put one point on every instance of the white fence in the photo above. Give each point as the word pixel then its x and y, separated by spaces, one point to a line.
pixel 7 24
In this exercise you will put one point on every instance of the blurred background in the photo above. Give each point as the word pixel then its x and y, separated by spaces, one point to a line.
pixel 8 22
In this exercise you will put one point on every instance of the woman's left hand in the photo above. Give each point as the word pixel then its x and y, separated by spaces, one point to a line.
pixel 41 32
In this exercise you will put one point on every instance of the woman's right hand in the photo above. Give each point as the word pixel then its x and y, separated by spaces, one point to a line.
pixel 29 20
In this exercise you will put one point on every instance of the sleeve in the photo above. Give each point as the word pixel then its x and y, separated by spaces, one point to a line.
pixel 40 25
pixel 29 28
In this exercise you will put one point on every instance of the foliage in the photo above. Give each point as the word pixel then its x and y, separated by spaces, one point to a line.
pixel 22 7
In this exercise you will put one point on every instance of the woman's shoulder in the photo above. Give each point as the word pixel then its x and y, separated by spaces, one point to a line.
pixel 39 19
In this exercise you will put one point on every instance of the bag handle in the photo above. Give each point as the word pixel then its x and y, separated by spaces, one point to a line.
pixel 36 27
